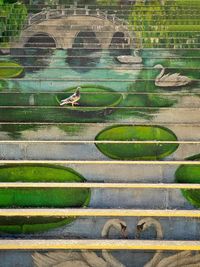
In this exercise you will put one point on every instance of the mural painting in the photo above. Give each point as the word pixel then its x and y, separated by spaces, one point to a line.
pixel 87 258
pixel 189 174
pixel 55 197
pixel 115 82
pixel 137 151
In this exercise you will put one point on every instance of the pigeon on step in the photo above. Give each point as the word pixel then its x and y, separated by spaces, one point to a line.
pixel 72 99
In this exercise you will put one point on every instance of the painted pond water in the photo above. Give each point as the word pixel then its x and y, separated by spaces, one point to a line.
pixel 52 66
pixel 57 71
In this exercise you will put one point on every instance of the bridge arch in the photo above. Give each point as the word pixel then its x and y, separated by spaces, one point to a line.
pixel 42 38
pixel 120 40
pixel 86 39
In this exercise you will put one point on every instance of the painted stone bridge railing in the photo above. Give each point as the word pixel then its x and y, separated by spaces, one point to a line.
pixel 48 13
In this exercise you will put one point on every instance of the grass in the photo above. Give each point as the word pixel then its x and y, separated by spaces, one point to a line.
pixel 136 151
pixel 39 197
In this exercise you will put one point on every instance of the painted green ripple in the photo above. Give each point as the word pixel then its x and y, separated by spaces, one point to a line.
pixel 39 197
pixel 190 174
pixel 136 151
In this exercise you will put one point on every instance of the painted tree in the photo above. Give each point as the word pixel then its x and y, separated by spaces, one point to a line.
pixel 14 16
pixel 108 2
pixel 161 25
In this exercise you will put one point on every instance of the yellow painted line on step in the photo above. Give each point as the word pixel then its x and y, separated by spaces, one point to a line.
pixel 100 162
pixel 73 212
pixel 100 185
pixel 93 142
pixel 96 244
pixel 102 124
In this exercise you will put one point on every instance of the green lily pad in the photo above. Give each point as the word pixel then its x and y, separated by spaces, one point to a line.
pixel 10 69
pixel 136 151
pixel 93 98
pixel 39 197
pixel 190 174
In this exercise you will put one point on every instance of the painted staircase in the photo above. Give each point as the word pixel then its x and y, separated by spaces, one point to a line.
pixel 130 171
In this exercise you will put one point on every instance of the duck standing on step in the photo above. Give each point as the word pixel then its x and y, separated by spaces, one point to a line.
pixel 73 99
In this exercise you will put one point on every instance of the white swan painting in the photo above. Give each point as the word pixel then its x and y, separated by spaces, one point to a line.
pixel 170 80
pixel 128 59
pixel 180 259
pixel 83 258
pixel 87 258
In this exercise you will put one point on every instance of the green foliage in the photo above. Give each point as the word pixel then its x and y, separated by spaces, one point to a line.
pixel 173 25
pixel 187 2
pixel 13 19
pixel 108 2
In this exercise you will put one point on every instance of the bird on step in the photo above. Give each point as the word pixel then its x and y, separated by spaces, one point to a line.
pixel 73 99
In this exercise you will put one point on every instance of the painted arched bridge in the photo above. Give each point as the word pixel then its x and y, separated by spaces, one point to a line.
pixel 63 25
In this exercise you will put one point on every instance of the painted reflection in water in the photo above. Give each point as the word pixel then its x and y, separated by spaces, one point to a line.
pixel 36 53
pixel 33 59
pixel 84 60
pixel 85 53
